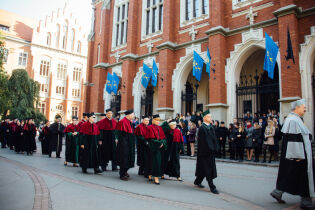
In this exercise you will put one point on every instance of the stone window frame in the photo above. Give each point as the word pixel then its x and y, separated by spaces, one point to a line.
pixel 44 67
pixel 62 69
pixel 48 39
pixel 22 61
pixel 43 88
pixel 41 107
pixel 120 19
pixel 236 4
pixel 76 92
pixel 75 111
pixel 60 90
pixel 147 21
pixel 77 73
pixel 72 39
pixel 204 12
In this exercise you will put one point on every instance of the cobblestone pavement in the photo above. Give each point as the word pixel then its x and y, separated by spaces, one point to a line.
pixel 38 182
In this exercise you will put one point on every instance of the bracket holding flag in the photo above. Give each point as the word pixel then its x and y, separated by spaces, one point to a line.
pixel 270 56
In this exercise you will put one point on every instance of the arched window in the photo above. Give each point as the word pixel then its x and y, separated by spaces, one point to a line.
pixel 57 36
pixel 77 71
pixel 72 39
pixel 48 41
pixel 79 47
pixel 65 34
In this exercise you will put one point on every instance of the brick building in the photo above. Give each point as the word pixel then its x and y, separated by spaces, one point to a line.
pixel 54 53
pixel 127 33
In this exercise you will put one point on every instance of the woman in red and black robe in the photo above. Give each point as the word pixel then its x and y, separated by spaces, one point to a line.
pixel 72 143
pixel 29 135
pixel 157 143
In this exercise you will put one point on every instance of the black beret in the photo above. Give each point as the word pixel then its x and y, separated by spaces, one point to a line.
pixel 129 112
pixel 108 110
pixel 103 114
pixel 156 116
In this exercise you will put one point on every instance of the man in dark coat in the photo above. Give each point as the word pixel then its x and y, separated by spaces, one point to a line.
pixel 296 169
pixel 57 133
pixel 6 129
pixel 222 133
pixel 125 152
pixel 207 149
pixel 29 135
pixel 107 149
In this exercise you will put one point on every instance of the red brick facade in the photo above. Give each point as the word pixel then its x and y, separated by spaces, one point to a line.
pixel 222 31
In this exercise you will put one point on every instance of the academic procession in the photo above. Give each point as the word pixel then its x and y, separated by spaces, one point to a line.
pixel 171 82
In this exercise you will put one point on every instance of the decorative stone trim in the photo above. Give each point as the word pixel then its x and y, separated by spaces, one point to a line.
pixel 217 105
pixel 290 9
pixel 289 99
pixel 167 45
pixel 165 109
pixel 101 65
pixel 260 7
pixel 130 56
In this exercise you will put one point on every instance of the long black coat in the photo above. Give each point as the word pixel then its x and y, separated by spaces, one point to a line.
pixel 55 140
pixel 207 149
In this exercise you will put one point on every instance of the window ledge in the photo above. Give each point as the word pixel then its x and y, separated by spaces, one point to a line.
pixel 237 5
pixel 151 35
pixel 194 20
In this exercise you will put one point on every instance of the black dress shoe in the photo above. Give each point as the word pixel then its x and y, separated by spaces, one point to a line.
pixel 97 171
pixel 104 169
pixel 124 178
pixel 277 198
pixel 84 171
pixel 214 191
pixel 200 185
pixel 127 175
pixel 114 169
pixel 58 157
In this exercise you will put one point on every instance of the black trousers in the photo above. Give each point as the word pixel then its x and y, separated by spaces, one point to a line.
pixel 240 152
pixel 222 148
pixel 122 172
pixel 257 153
pixel 199 180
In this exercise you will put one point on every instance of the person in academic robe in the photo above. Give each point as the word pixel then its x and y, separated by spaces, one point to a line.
pixel 157 143
pixel 107 148
pixel 57 133
pixel 78 126
pixel 72 143
pixel 296 169
pixel 175 145
pixel 125 151
pixel 207 150
pixel 33 139
pixel 222 135
pixel 18 146
pixel 12 137
pixel 6 132
pixel 29 135
pixel 89 142
pixel 44 138
pixel 140 133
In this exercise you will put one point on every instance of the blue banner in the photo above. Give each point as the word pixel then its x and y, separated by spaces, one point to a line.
pixel 270 56
pixel 197 66
pixel 115 83
pixel 208 62
pixel 155 73
pixel 109 83
pixel 147 73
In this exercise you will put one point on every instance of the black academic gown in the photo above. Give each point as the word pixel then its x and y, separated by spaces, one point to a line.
pixel 19 139
pixel 207 149
pixel 29 137
pixel 44 139
pixel 55 140
pixel 292 175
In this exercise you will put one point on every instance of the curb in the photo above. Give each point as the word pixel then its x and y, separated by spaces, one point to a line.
pixel 275 165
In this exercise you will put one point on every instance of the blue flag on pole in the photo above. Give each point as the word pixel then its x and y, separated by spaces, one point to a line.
pixel 270 56
pixel 115 83
pixel 197 66
pixel 109 83
pixel 155 73
pixel 147 73
pixel 208 62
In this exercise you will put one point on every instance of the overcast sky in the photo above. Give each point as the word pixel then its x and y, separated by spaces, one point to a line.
pixel 38 9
